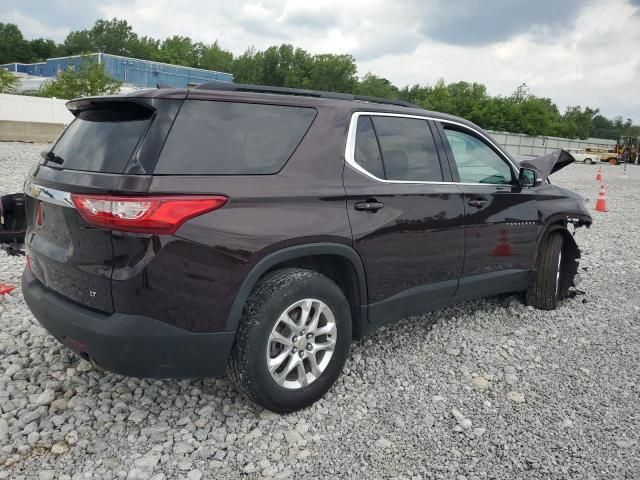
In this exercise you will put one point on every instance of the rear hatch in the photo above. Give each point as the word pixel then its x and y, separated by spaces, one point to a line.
pixel 101 151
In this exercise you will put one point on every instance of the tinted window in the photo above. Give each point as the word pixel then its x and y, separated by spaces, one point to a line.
pixel 367 153
pixel 476 161
pixel 225 138
pixel 408 150
pixel 102 139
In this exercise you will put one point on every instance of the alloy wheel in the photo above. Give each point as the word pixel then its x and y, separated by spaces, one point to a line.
pixel 301 343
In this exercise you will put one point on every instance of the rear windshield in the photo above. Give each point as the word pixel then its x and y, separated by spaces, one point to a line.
pixel 102 138
pixel 227 138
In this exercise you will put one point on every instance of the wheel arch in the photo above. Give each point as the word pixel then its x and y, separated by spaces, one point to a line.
pixel 311 256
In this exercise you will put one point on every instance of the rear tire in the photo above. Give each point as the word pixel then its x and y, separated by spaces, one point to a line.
pixel 280 296
pixel 545 289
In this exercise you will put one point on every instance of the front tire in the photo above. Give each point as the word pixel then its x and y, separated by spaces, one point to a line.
pixel 546 288
pixel 292 341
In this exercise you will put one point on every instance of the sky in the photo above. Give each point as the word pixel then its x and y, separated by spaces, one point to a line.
pixel 576 52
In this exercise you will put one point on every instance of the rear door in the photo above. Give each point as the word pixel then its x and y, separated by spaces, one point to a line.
pixel 64 252
pixel 501 217
pixel 406 216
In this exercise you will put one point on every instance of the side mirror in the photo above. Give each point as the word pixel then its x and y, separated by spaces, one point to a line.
pixel 529 178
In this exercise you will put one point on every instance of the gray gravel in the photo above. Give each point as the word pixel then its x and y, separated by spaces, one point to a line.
pixel 487 389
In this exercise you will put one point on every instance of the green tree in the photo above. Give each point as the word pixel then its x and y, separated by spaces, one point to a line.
pixel 532 115
pixel 41 49
pixel 78 43
pixel 89 80
pixel 112 36
pixel 286 65
pixel 177 50
pixel 247 68
pixel 8 81
pixel 416 94
pixel 213 57
pixel 334 73
pixel 577 122
pixel 145 48
pixel 375 86
pixel 13 47
pixel 299 75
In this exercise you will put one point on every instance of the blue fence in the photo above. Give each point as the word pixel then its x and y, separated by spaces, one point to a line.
pixel 131 71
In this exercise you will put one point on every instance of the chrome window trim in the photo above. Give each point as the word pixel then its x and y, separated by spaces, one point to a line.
pixel 350 148
pixel 49 195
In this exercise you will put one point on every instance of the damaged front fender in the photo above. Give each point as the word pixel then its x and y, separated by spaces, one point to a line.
pixel 571 261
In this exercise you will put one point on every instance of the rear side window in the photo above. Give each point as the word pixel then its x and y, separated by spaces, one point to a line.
pixel 367 152
pixel 227 138
pixel 102 138
pixel 408 150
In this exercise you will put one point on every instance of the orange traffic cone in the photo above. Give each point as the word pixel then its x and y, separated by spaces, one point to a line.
pixel 601 202
pixel 599 175
pixel 5 288
pixel 503 248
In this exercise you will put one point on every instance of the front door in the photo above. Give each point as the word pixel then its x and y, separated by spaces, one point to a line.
pixel 407 221
pixel 501 217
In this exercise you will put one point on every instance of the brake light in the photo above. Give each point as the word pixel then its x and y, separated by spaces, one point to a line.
pixel 161 215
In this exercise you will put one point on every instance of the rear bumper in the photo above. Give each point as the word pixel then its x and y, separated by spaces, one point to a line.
pixel 130 345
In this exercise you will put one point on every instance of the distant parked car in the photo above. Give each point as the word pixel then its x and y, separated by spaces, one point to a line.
pixel 583 156
pixel 604 154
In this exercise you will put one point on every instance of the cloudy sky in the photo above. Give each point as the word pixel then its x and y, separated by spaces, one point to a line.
pixel 577 52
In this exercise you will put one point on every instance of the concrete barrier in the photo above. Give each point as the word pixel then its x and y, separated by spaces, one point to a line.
pixel 38 132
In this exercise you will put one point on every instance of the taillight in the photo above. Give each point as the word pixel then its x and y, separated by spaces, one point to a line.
pixel 161 215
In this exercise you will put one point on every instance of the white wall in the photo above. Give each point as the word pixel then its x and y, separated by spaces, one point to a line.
pixel 21 108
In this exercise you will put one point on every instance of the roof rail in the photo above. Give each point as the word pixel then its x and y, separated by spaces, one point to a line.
pixel 244 87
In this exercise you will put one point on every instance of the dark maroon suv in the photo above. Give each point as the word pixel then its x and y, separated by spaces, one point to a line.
pixel 256 231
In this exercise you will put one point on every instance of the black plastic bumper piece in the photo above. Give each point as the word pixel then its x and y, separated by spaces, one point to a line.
pixel 130 345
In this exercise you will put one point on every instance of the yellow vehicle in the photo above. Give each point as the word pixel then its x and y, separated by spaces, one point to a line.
pixel 625 143
pixel 606 155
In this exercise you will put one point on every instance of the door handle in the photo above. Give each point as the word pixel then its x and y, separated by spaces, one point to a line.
pixel 477 202
pixel 369 206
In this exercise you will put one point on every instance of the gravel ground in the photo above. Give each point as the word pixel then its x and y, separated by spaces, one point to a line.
pixel 486 389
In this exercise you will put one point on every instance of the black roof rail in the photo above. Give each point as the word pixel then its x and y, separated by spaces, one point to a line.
pixel 400 103
pixel 244 87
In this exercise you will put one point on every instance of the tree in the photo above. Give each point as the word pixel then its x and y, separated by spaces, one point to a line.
pixel 8 81
pixel 112 36
pixel 89 80
pixel 299 76
pixel 532 115
pixel 247 68
pixel 145 48
pixel 107 36
pixel 177 50
pixel 78 43
pixel 577 123
pixel 213 57
pixel 13 47
pixel 276 65
pixel 41 49
pixel 288 66
pixel 334 73
pixel 374 86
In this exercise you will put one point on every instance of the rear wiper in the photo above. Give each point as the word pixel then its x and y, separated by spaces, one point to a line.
pixel 52 157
